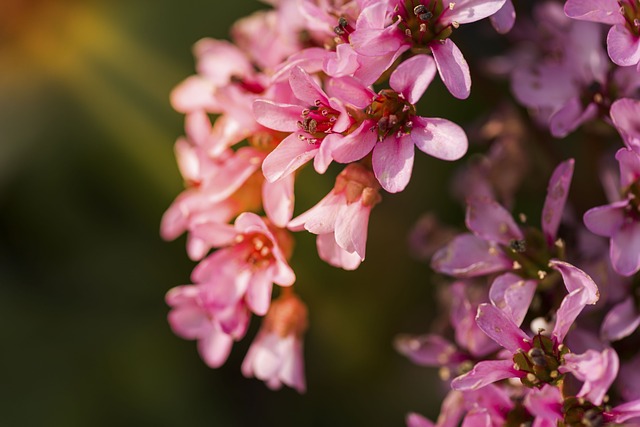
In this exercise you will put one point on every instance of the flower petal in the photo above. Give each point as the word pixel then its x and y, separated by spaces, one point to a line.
pixel 288 156
pixel 453 68
pixel 413 76
pixel 439 138
pixel 485 373
pixel 557 192
pixel 623 46
pixel 393 162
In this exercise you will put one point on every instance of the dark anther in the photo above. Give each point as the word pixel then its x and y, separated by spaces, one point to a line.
pixel 518 245
pixel 422 13
pixel 342 22
pixel 537 356
pixel 592 418
pixel 339 30
pixel 595 87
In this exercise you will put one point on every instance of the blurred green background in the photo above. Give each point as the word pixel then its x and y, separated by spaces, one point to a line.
pixel 86 171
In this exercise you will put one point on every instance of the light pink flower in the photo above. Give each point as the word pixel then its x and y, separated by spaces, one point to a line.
pixel 275 356
pixel 315 122
pixel 250 260
pixel 193 316
pixel 343 214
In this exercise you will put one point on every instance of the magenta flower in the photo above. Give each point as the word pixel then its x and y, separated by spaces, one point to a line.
pixel 275 356
pixel 194 316
pixel 387 28
pixel 623 40
pixel 316 123
pixel 620 220
pixel 342 216
pixel 499 244
pixel 250 260
pixel 392 128
pixel 536 360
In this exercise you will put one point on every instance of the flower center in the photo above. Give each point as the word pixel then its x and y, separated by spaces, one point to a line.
pixel 420 21
pixel 318 121
pixel 541 362
pixel 392 113
pixel 259 249
pixel 630 9
pixel 580 413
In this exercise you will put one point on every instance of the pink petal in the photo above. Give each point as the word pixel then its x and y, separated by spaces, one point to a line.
pixel 350 91
pixel 426 350
pixel 469 256
pixel 629 162
pixel 197 126
pixel 625 249
pixel 504 19
pixel 625 114
pixel 597 370
pixel 351 228
pixel 453 68
pixel 582 291
pixel 620 321
pixel 288 156
pixel 331 253
pixel 466 11
pixel 570 117
pixel 484 373
pixel 605 11
pixel 305 88
pixel 439 138
pixel 355 145
pixel 606 220
pixel 188 322
pixel 417 420
pixel 283 274
pixel 490 221
pixel 187 159
pixel 278 199
pixel 258 296
pixel 545 402
pixel 624 412
pixel 500 328
pixel 557 192
pixel 344 62
pixel 413 76
pixel 513 295
pixel 195 93
pixel 623 46
pixel 233 174
pixel 323 158
pixel 292 369
pixel 215 234
pixel 321 218
pixel 214 348
pixel 392 162
pixel 281 117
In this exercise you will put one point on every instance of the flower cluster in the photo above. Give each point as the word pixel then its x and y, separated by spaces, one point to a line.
pixel 542 319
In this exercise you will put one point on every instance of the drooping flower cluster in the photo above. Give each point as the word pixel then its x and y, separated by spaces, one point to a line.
pixel 338 83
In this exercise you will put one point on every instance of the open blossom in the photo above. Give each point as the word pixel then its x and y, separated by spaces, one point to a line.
pixel 275 356
pixel 250 260
pixel 315 123
pixel 620 220
pixel 623 40
pixel 498 244
pixel 195 316
pixel 534 360
pixel 391 127
pixel 386 29
pixel 341 218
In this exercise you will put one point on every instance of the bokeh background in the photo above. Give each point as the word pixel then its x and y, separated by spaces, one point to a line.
pixel 86 171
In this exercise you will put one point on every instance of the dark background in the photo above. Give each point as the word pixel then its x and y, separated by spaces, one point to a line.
pixel 86 171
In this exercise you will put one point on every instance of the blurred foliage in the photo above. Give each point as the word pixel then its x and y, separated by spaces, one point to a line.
pixel 86 171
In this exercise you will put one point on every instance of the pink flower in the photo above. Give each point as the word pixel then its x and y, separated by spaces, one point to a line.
pixel 193 316
pixel 385 29
pixel 316 123
pixel 275 356
pixel 620 220
pixel 623 40
pixel 597 371
pixel 250 260
pixel 392 128
pixel 343 214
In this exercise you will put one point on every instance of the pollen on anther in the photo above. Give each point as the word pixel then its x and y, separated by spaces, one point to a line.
pixel 451 5
pixel 455 24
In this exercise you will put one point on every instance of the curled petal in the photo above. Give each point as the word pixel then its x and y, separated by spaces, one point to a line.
pixel 620 321
pixel 557 192
pixel 485 373
pixel 490 221
pixel 500 328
